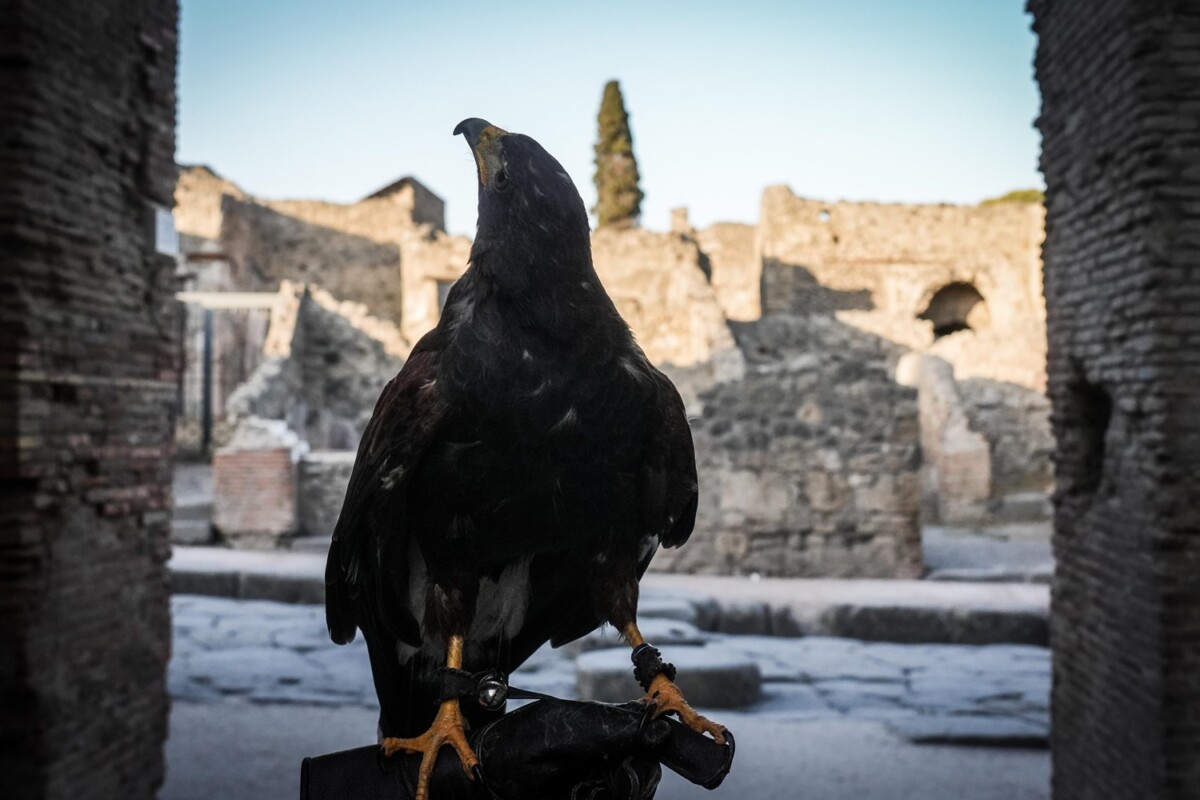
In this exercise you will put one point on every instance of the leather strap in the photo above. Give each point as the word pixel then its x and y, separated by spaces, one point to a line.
pixel 648 664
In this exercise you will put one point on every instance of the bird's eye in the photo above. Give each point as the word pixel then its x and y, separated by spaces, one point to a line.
pixel 500 181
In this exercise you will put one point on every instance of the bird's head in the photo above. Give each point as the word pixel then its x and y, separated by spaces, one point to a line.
pixel 526 198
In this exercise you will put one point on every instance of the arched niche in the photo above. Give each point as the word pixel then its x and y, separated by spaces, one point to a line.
pixel 956 307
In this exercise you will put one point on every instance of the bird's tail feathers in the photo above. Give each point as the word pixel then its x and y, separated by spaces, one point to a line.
pixel 339 606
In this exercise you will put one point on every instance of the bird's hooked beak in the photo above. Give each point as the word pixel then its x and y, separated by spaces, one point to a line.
pixel 484 140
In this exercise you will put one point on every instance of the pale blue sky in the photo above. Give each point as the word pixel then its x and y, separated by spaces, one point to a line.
pixel 893 100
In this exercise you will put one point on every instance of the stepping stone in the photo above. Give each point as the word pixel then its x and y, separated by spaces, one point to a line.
pixel 975 729
pixel 711 677
pixel 660 632
pixel 745 618
pixel 705 609
pixel 664 607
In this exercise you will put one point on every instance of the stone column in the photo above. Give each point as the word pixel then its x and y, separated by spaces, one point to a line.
pixel 1120 83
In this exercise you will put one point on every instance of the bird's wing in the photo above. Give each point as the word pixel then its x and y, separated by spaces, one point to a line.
pixel 668 492
pixel 367 568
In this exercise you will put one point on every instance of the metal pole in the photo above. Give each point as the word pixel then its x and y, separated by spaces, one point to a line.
pixel 206 384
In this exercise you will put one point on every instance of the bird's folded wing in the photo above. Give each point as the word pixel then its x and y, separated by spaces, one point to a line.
pixel 371 526
pixel 668 490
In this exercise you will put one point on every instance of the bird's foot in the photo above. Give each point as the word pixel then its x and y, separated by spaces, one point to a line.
pixel 448 727
pixel 666 695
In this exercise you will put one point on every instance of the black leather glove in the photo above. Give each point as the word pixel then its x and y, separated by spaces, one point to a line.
pixel 548 749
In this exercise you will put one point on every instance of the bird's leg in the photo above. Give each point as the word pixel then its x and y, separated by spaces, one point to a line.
pixel 657 679
pixel 447 728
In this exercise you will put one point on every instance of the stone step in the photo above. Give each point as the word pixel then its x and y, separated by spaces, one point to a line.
pixel 971 730
pixel 709 676
pixel 310 544
pixel 191 531
pixel 1043 574
pixel 1021 507
pixel 660 632
pixel 193 511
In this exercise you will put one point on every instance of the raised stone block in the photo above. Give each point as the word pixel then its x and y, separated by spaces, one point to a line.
pixel 745 618
pixel 936 624
pixel 710 676
pixel 661 632
pixel 972 729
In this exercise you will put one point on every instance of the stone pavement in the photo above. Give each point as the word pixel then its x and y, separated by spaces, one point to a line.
pixel 877 610
pixel 238 750
pixel 275 653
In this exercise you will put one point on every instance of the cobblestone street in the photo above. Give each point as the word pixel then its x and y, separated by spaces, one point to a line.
pixel 269 652
pixel 258 686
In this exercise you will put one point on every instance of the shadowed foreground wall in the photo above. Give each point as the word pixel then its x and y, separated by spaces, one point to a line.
pixel 1120 82
pixel 87 395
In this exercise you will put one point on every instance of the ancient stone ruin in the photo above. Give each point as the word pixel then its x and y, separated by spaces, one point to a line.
pixel 852 369
pixel 89 336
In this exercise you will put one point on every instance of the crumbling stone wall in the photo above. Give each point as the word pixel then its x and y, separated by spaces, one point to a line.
pixel 658 285
pixel 430 262
pixel 956 462
pixel 269 243
pixel 809 465
pixel 349 249
pixel 422 206
pixel 735 268
pixel 1015 421
pixel 87 391
pixel 880 265
pixel 327 362
pixel 1120 83
pixel 902 272
pixel 199 194
pixel 343 369
pixel 321 488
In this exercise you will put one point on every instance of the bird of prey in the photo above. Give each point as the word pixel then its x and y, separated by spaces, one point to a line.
pixel 516 476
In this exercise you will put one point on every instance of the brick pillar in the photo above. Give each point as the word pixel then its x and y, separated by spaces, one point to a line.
pixel 254 496
pixel 1120 82
pixel 87 394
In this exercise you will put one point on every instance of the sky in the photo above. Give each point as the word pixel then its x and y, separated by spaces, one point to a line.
pixel 891 100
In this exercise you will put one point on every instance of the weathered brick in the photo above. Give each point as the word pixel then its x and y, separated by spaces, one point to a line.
pixel 1121 156
pixel 87 383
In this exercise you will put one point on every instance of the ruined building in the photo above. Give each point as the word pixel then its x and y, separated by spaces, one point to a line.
pixel 849 367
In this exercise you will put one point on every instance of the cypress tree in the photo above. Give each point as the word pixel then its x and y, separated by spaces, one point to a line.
pixel 618 197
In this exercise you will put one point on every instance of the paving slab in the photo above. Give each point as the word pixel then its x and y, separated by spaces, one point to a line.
pixel 986 731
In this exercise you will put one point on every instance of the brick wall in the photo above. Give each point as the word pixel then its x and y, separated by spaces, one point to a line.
pixel 254 496
pixel 87 393
pixel 1120 83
